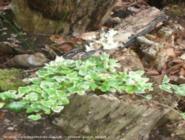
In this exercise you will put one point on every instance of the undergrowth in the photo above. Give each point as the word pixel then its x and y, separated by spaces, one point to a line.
pixel 49 91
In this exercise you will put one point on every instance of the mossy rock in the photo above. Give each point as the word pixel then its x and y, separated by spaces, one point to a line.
pixel 10 79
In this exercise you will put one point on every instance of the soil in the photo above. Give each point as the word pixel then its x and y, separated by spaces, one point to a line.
pixel 16 126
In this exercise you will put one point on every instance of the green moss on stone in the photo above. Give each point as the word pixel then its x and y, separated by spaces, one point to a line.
pixel 10 79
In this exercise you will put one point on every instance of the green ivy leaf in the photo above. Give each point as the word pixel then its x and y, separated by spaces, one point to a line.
pixel 179 89
pixel 35 117
pixel 182 115
pixel 57 109
pixel 166 80
pixel 32 96
pixel 166 87
pixel 34 107
pixel 16 106
pixel 24 90
pixel 172 88
pixel 8 95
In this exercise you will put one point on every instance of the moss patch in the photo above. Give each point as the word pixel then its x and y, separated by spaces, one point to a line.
pixel 175 10
pixel 10 79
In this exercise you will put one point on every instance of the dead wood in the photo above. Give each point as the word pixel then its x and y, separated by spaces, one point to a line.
pixel 53 16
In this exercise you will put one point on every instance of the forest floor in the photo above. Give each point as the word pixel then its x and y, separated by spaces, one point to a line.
pixel 17 42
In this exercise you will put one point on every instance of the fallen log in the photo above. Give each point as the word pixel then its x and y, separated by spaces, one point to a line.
pixel 138 25
pixel 109 117
pixel 127 31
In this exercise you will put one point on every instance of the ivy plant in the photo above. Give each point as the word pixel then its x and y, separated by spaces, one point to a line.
pixel 49 90
pixel 172 88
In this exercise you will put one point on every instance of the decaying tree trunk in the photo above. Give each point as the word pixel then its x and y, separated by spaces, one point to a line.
pixel 52 16
pixel 109 117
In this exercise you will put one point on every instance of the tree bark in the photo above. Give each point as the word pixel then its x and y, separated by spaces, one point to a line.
pixel 53 16
pixel 109 117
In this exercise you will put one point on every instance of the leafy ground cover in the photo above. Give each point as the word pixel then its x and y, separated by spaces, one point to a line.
pixel 50 89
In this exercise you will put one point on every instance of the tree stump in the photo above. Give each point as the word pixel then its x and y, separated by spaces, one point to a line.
pixel 53 16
